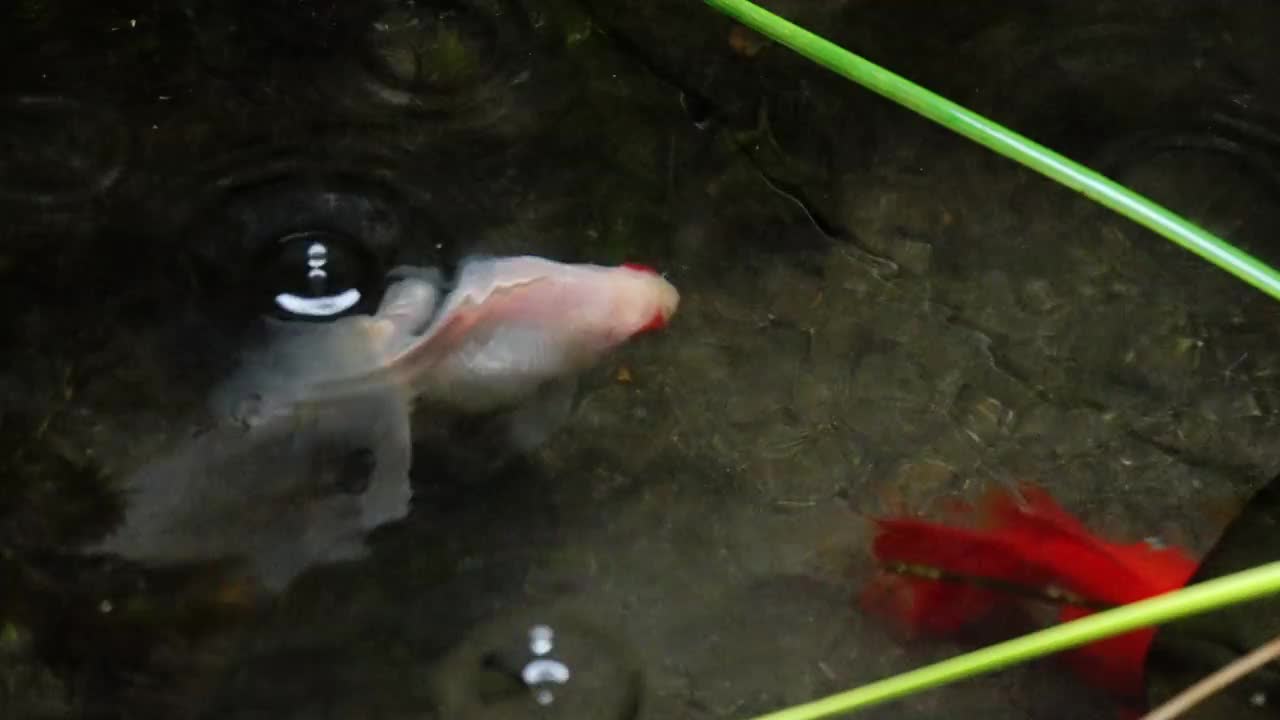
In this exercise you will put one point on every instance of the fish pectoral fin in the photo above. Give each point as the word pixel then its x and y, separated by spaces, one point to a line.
pixel 411 300
pixel 429 275
pixel 531 423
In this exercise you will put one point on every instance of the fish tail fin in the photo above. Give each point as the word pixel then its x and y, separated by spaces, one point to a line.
pixel 940 578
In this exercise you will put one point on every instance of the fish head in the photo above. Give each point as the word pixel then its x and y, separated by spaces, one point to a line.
pixel 642 301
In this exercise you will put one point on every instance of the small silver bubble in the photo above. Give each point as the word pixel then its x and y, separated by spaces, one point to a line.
pixel 540 673
pixel 541 639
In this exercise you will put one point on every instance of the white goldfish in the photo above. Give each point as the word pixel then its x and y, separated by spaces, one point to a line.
pixel 511 325
pixel 320 449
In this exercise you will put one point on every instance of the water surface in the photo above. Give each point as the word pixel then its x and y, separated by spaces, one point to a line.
pixel 877 317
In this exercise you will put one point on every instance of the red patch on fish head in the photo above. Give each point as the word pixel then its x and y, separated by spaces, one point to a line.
pixel 657 322
pixel 641 267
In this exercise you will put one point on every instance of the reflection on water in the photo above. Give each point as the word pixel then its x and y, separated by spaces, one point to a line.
pixel 320 275
pixel 546 664
pixel 874 316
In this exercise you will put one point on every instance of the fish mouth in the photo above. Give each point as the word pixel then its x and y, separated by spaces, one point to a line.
pixel 663 296
pixel 668 301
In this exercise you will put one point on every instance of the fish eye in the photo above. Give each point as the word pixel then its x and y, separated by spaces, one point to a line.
pixel 317 275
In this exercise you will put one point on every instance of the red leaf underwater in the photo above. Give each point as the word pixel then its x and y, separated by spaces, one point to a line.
pixel 938 579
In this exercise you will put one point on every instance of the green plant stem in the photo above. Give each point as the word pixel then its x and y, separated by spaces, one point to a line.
pixel 1007 143
pixel 1204 597
pixel 1193 600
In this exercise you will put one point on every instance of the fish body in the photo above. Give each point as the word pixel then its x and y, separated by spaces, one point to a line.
pixel 512 325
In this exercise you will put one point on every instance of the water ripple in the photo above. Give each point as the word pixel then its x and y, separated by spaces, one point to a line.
pixel 58 150
pixel 246 211
pixel 475 64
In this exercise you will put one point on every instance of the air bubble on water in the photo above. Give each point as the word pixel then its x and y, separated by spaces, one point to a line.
pixel 542 671
pixel 539 665
pixel 318 275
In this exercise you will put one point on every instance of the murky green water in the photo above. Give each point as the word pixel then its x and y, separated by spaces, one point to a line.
pixel 877 317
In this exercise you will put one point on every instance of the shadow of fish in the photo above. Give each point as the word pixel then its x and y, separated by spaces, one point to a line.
pixel 287 494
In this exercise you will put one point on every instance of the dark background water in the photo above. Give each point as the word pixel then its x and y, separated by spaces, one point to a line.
pixel 878 316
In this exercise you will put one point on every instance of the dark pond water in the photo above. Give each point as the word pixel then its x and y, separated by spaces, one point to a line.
pixel 876 316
